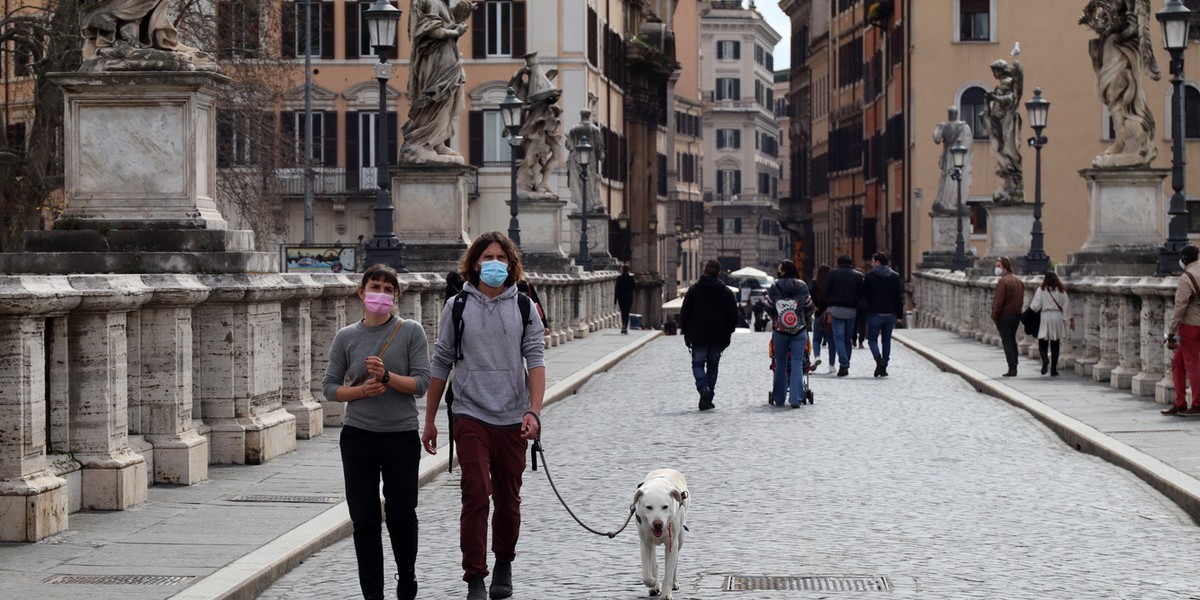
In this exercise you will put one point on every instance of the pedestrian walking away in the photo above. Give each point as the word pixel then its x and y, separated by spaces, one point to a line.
pixel 623 296
pixel 884 293
pixel 791 308
pixel 1183 332
pixel 497 354
pixel 844 290
pixel 707 319
pixel 1006 311
pixel 822 330
pixel 387 358
pixel 1053 306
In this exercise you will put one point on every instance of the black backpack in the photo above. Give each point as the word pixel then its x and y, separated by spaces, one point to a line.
pixel 524 304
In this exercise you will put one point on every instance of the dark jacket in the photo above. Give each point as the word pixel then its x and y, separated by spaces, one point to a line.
pixel 791 288
pixel 884 292
pixel 709 314
pixel 844 287
pixel 624 290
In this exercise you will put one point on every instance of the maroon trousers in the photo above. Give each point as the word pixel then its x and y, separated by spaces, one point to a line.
pixel 492 461
pixel 1185 366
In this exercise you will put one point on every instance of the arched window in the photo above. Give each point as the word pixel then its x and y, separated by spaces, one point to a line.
pixel 970 109
pixel 1191 112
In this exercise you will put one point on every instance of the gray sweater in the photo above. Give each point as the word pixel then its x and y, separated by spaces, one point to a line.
pixel 491 382
pixel 408 355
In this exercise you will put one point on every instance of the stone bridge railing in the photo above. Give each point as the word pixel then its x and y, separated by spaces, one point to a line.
pixel 111 383
pixel 1119 323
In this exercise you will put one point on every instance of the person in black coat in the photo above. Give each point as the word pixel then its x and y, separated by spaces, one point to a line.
pixel 843 290
pixel 623 296
pixel 707 319
pixel 883 291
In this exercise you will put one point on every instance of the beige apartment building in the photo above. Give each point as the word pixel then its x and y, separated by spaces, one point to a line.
pixel 741 137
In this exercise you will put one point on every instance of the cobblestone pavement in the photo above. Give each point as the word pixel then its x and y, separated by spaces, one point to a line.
pixel 917 478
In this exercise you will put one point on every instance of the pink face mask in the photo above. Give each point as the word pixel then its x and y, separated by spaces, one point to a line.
pixel 378 303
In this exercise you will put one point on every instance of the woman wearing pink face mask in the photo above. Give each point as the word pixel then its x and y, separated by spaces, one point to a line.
pixel 386 359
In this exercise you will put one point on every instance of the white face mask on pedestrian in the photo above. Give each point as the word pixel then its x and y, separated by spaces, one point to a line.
pixel 999 271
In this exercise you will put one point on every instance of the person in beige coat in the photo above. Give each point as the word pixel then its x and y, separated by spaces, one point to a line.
pixel 1184 330
pixel 1052 304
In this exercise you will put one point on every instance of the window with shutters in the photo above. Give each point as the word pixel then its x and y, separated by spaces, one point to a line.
pixel 238 137
pixel 970 109
pixel 299 30
pixel 729 88
pixel 729 138
pixel 324 136
pixel 729 50
pixel 499 28
pixel 238 34
pixel 729 183
pixel 496 151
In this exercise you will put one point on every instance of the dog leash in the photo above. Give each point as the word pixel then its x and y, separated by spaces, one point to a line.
pixel 534 451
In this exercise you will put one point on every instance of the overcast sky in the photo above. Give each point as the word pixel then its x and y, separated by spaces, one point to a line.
pixel 770 11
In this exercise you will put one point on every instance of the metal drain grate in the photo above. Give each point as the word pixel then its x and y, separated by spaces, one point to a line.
pixel 818 583
pixel 120 579
pixel 297 499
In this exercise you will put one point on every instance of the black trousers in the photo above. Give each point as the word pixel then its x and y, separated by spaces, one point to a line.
pixel 1008 325
pixel 395 457
pixel 625 307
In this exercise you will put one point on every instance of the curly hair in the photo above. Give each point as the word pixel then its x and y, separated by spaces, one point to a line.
pixel 467 265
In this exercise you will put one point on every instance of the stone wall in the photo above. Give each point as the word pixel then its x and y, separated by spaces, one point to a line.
pixel 112 383
pixel 1119 323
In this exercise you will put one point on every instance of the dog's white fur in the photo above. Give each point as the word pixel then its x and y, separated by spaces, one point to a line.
pixel 660 505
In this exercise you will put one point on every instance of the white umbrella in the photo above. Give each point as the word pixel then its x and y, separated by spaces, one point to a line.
pixel 748 272
pixel 672 307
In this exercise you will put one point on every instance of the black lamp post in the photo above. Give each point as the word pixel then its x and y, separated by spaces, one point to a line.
pixel 510 112
pixel 384 247
pixel 1176 20
pixel 1036 261
pixel 585 157
pixel 958 153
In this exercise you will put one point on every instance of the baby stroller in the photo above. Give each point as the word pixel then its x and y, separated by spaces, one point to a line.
pixel 809 367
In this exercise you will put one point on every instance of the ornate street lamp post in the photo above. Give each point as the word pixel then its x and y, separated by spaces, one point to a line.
pixel 510 113
pixel 1176 20
pixel 961 263
pixel 384 247
pixel 1036 261
pixel 585 157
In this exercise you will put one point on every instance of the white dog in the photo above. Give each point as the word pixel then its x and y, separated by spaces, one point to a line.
pixel 660 505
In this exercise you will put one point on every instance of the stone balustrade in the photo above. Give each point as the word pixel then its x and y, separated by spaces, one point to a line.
pixel 112 383
pixel 1119 323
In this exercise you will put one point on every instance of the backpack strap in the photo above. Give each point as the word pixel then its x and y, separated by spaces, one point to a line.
pixel 524 304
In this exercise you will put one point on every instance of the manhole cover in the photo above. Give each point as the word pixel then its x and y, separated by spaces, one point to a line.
pixel 816 583
pixel 298 499
pixel 120 579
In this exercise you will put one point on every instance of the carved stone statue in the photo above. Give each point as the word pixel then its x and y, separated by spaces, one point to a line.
pixel 541 130
pixel 1120 53
pixel 1002 122
pixel 595 139
pixel 947 133
pixel 436 78
pixel 135 35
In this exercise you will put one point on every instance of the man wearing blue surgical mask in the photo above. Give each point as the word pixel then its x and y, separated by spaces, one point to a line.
pixel 499 383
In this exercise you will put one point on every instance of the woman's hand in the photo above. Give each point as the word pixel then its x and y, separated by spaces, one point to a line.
pixel 372 387
pixel 429 438
pixel 375 367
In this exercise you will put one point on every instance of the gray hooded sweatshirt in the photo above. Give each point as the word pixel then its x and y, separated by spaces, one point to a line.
pixel 491 382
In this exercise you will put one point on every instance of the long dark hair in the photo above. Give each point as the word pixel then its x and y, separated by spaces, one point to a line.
pixel 1050 281
pixel 819 283
pixel 468 270
pixel 788 269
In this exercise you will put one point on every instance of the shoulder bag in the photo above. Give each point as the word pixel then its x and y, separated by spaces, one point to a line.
pixel 361 379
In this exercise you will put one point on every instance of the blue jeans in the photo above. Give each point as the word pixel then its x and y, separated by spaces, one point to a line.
pixel 843 340
pixel 789 350
pixel 820 336
pixel 877 324
pixel 704 366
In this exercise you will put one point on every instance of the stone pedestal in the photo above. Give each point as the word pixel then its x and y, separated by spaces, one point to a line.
pixel 944 235
pixel 327 315
pixel 1009 231
pixel 431 213
pixel 1126 222
pixel 597 239
pixel 297 358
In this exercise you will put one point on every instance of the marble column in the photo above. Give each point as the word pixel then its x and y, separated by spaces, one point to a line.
pixel 298 399
pixel 1150 345
pixel 1109 315
pixel 113 476
pixel 33 499
pixel 328 315
pixel 239 368
pixel 180 453
pixel 1089 353
pixel 1129 334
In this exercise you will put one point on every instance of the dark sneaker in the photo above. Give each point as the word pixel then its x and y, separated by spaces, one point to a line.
pixel 407 587
pixel 1174 410
pixel 878 367
pixel 883 368
pixel 843 371
pixel 1194 411
pixel 706 399
pixel 475 588
pixel 501 580
pixel 1010 373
